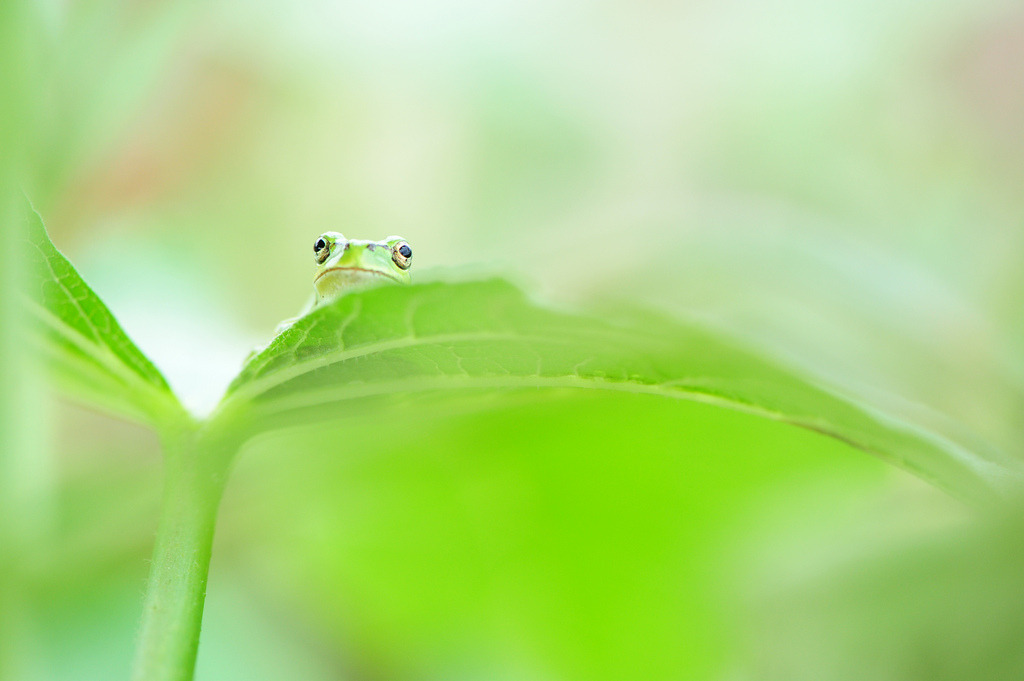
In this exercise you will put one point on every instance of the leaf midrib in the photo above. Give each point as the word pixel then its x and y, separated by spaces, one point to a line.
pixel 259 386
pixel 682 389
pixel 105 357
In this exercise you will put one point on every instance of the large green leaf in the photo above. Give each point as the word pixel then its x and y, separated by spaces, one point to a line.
pixel 89 352
pixel 573 535
pixel 463 339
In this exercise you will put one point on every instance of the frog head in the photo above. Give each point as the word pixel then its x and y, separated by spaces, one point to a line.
pixel 344 265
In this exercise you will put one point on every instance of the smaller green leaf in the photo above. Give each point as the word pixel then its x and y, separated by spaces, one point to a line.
pixel 486 337
pixel 91 356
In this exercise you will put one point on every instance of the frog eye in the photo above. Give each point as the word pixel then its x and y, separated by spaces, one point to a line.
pixel 321 249
pixel 401 253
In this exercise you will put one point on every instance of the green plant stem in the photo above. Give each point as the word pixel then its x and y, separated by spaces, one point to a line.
pixel 196 467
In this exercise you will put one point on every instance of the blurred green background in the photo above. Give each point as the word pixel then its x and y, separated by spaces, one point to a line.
pixel 835 184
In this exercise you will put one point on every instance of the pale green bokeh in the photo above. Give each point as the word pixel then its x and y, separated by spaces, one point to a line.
pixel 26 485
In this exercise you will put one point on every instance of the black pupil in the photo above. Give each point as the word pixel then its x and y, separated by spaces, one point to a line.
pixel 319 245
pixel 405 251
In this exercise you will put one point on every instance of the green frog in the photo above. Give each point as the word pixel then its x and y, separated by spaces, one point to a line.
pixel 344 265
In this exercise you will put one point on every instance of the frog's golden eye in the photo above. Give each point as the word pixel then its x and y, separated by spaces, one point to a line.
pixel 321 249
pixel 401 253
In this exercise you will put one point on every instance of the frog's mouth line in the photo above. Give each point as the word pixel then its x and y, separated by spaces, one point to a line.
pixel 356 269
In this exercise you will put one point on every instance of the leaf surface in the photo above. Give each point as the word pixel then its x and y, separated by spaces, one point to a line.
pixel 90 354
pixel 471 339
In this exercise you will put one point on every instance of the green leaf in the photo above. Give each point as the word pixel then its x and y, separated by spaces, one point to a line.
pixel 469 338
pixel 91 356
